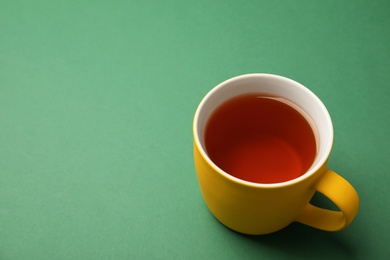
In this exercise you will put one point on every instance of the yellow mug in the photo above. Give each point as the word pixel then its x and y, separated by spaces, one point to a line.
pixel 255 208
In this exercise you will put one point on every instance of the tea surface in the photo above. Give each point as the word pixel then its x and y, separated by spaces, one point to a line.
pixel 260 139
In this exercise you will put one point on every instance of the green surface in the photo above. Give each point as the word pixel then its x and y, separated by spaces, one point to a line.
pixel 96 107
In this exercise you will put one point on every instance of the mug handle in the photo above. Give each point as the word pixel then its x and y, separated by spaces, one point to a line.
pixel 341 193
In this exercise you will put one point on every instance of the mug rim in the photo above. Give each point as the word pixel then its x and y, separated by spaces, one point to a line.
pixel 322 161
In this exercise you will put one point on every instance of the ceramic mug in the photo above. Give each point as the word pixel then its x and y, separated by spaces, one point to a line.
pixel 256 208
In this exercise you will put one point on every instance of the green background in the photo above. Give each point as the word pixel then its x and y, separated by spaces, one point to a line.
pixel 96 107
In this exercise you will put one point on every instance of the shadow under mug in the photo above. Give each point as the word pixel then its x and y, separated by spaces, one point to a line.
pixel 255 208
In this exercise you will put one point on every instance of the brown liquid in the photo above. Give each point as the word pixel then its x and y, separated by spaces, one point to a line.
pixel 260 139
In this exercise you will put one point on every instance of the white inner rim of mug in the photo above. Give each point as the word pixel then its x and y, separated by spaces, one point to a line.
pixel 316 114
